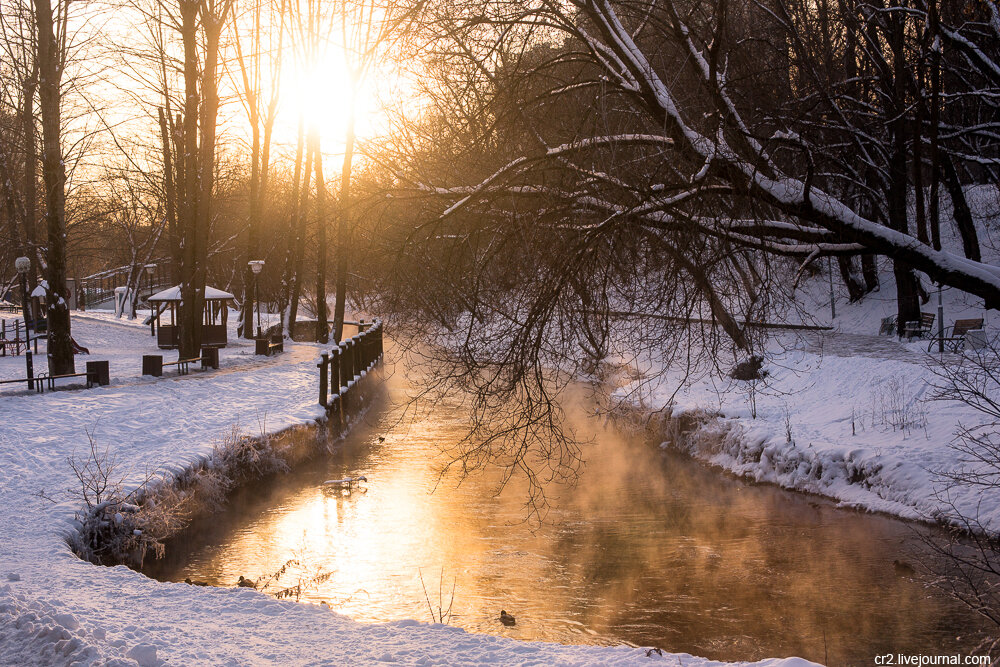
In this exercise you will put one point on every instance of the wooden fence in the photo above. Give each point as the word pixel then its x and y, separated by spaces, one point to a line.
pixel 347 363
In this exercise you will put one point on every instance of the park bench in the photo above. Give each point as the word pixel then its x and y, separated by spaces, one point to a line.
pixel 954 337
pixel 97 373
pixel 153 364
pixel 920 329
pixel 268 346
pixel 50 380
pixel 30 381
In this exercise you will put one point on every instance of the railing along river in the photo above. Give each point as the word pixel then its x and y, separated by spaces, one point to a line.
pixel 347 363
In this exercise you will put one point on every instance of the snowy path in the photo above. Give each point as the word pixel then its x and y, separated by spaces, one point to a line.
pixel 860 345
pixel 57 609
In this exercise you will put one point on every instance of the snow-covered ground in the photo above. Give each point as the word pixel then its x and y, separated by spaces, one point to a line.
pixel 56 609
pixel 829 414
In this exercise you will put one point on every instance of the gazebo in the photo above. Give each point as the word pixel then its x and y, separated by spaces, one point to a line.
pixel 213 333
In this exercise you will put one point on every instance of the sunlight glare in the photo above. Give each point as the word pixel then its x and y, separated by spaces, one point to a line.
pixel 321 93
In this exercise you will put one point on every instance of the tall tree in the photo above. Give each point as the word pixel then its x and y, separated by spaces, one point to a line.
pixel 265 37
pixel 368 28
pixel 201 109
pixel 50 66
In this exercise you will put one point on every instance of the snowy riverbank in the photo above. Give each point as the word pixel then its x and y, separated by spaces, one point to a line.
pixel 846 414
pixel 57 609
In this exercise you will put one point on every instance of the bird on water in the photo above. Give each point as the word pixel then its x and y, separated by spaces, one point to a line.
pixel 507 619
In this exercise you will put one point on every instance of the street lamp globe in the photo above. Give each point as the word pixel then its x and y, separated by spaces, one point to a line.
pixel 256 265
pixel 22 264
pixel 150 268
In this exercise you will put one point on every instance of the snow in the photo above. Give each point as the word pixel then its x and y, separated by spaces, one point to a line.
pixel 57 609
pixel 174 294
pixel 839 394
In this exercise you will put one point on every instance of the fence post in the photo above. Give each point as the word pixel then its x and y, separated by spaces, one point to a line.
pixel 335 383
pixel 323 378
pixel 347 373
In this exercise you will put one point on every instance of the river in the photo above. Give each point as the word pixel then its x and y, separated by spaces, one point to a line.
pixel 647 548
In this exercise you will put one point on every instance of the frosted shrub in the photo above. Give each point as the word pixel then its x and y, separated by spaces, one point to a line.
pixel 242 458
pixel 114 525
pixel 890 404
pixel 119 526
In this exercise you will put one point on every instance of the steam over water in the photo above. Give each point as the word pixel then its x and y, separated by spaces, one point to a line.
pixel 647 548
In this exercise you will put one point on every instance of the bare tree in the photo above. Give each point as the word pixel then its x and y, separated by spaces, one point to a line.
pixel 648 175
pixel 201 107
pixel 51 62
pixel 263 57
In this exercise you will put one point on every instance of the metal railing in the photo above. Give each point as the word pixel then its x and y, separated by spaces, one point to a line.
pixel 344 365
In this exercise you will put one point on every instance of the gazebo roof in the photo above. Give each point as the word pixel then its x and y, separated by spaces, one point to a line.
pixel 174 294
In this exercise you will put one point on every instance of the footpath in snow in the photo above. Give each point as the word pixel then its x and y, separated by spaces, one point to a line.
pixel 56 609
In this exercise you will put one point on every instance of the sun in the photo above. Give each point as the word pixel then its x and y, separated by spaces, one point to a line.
pixel 323 95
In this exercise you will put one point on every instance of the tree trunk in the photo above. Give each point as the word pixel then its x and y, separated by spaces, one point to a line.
pixel 935 129
pixel 32 249
pixel 848 273
pixel 869 271
pixel 322 327
pixel 288 273
pixel 918 161
pixel 169 189
pixel 960 209
pixel 300 245
pixel 907 301
pixel 344 222
pixel 60 342
pixel 212 24
pixel 252 246
pixel 192 292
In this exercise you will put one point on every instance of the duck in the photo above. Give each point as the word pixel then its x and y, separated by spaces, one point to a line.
pixel 245 583
pixel 507 619
pixel 195 583
pixel 381 438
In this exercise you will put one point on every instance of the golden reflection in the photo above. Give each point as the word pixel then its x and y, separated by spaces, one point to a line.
pixel 646 548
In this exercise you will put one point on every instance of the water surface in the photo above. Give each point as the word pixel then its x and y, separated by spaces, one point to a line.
pixel 647 548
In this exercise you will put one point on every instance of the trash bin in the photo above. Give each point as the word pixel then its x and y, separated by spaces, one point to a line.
pixel 99 371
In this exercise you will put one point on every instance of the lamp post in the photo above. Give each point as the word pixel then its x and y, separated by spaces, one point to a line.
pixel 833 299
pixel 256 265
pixel 150 270
pixel 940 319
pixel 23 265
